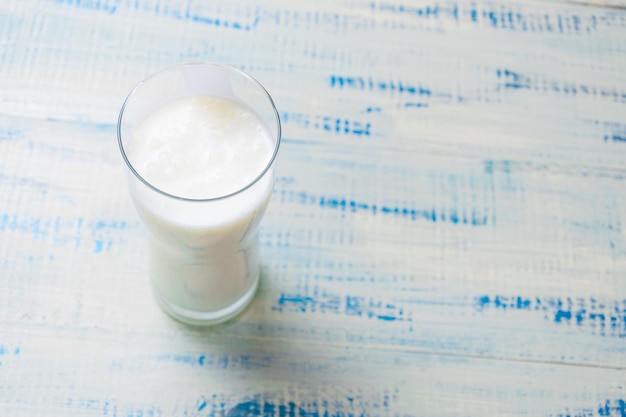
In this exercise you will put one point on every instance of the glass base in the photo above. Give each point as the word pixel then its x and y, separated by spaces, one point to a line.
pixel 200 318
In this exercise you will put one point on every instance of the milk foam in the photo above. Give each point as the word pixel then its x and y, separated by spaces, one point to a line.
pixel 200 147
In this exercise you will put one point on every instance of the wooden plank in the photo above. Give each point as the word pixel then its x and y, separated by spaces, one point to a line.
pixel 445 236
pixel 143 373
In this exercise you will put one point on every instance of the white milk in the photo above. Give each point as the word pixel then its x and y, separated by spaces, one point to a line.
pixel 204 253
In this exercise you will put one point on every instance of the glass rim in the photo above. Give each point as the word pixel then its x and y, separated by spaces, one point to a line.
pixel 229 69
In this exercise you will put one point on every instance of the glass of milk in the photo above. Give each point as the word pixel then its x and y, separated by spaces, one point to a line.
pixel 200 141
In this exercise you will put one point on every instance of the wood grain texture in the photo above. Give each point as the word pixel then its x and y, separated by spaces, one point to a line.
pixel 446 236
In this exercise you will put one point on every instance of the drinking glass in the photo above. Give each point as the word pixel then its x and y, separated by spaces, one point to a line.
pixel 204 249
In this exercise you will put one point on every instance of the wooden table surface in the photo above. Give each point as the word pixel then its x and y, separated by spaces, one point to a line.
pixel 447 234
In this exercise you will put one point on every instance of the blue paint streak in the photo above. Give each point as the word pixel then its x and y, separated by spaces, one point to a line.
pixel 369 84
pixel 302 304
pixel 349 305
pixel 188 359
pixel 115 6
pixel 218 361
pixel 416 105
pixel 606 318
pixel 514 80
pixel 474 15
pixel 475 218
pixel 331 124
pixel 363 83
pixel 562 316
pixel 10 133
pixel 503 17
pixel 103 234
pixel 202 405
pixel 315 408
pixel 610 408
pixel 615 138
pixel 106 409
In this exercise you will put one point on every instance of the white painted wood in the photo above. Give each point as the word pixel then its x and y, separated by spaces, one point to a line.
pixel 446 236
